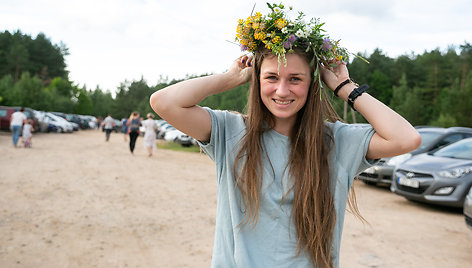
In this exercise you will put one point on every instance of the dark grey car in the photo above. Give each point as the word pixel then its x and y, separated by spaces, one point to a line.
pixel 443 177
pixel 432 138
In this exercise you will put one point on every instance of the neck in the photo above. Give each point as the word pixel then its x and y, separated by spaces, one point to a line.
pixel 284 126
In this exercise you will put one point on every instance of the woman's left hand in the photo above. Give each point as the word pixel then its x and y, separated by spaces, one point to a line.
pixel 333 76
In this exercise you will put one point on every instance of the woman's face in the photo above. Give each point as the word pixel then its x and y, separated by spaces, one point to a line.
pixel 284 91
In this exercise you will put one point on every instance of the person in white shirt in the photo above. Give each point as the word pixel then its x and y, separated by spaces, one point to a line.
pixel 149 134
pixel 108 124
pixel 16 123
pixel 27 135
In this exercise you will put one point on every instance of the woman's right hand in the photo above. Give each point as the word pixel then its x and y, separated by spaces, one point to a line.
pixel 241 69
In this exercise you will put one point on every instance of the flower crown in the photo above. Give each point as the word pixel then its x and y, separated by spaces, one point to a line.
pixel 280 35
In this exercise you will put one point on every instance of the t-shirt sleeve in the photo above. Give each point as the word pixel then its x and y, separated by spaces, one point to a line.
pixel 351 145
pixel 215 147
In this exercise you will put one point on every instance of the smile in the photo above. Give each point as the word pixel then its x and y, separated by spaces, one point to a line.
pixel 285 102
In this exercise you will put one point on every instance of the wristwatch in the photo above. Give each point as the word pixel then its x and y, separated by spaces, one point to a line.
pixel 356 93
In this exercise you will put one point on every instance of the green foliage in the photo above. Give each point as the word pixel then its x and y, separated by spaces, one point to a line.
pixel 432 88
pixel 177 147
pixel 232 100
pixel 21 53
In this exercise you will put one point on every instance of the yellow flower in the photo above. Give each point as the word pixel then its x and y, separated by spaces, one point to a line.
pixel 280 23
pixel 258 15
pixel 259 35
pixel 276 39
pixel 255 25
pixel 244 41
pixel 268 46
pixel 252 46
pixel 339 57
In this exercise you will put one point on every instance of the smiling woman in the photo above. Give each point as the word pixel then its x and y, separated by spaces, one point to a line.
pixel 286 166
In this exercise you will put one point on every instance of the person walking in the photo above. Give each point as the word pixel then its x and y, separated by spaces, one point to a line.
pixel 27 133
pixel 17 120
pixel 108 124
pixel 150 128
pixel 285 169
pixel 134 121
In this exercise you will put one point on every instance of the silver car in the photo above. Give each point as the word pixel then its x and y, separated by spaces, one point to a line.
pixel 468 209
pixel 432 138
pixel 443 177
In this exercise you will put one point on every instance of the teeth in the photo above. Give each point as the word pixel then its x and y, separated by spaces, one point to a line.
pixel 282 102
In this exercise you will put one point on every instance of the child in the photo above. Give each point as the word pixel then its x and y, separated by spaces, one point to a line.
pixel 27 133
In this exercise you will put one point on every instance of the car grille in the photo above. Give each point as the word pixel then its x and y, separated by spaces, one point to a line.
pixel 415 175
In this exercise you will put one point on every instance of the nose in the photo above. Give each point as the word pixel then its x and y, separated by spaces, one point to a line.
pixel 282 89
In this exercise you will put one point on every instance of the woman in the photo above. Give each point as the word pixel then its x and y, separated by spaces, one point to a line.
pixel 150 133
pixel 285 169
pixel 134 121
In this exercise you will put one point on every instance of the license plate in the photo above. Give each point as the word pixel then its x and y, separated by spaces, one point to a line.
pixel 408 182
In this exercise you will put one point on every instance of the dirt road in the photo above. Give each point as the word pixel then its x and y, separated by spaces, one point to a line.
pixel 74 200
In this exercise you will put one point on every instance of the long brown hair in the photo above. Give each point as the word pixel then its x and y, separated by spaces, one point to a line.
pixel 311 142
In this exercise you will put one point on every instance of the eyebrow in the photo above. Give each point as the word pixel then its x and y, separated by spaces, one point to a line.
pixel 275 73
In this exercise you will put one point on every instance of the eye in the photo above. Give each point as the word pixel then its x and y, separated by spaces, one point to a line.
pixel 295 79
pixel 271 77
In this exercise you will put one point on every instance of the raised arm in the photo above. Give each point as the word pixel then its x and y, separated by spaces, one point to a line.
pixel 177 104
pixel 394 135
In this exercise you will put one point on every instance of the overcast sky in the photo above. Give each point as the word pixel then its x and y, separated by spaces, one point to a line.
pixel 117 40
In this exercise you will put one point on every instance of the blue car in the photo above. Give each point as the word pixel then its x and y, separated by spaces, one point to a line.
pixel 443 177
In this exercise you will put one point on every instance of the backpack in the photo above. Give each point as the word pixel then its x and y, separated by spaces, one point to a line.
pixel 134 125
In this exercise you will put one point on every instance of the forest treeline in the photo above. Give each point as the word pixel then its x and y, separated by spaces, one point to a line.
pixel 433 88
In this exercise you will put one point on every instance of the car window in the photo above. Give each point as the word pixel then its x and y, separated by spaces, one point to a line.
pixel 427 138
pixel 3 113
pixel 448 140
pixel 461 149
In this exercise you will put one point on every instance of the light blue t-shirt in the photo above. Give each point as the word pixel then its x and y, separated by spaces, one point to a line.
pixel 272 242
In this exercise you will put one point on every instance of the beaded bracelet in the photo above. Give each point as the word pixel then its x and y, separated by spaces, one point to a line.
pixel 340 86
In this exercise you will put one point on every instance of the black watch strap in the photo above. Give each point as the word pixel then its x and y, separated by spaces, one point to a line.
pixel 356 93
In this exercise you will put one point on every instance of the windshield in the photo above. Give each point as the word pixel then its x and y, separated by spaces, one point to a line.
pixel 461 149
pixel 427 138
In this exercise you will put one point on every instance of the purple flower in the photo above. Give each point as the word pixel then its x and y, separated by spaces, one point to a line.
pixel 243 48
pixel 292 38
pixel 287 45
pixel 326 44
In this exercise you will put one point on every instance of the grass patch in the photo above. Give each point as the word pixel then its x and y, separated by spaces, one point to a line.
pixel 177 147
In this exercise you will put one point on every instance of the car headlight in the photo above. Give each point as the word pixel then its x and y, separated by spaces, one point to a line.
pixel 398 159
pixel 455 172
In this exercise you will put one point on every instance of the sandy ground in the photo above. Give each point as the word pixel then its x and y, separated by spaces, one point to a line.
pixel 74 200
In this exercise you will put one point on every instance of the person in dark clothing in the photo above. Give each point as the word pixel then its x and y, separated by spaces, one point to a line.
pixel 133 124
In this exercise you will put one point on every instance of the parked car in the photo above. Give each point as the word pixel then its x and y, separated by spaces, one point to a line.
pixel 442 177
pixel 58 123
pixel 185 140
pixel 172 134
pixel 468 209
pixel 432 138
pixel 75 126
pixel 161 132
pixel 7 111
